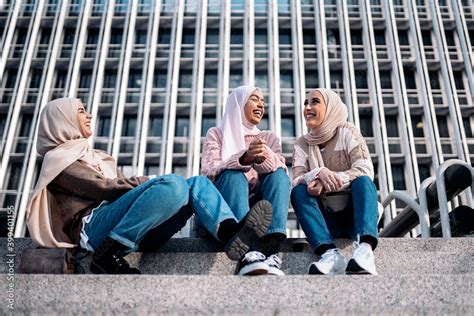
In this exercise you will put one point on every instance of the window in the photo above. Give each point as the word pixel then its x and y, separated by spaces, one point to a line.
pixel 356 37
pixel 188 36
pixel 60 79
pixel 135 78
pixel 284 36
pixel 104 126
pixel 442 125
pixel 25 127
pixel 336 80
pixel 212 36
pixel 288 127
pixel 366 128
pixel 361 79
pixel 410 80
pixel 155 126
pixel 398 175
pixel 261 79
pixel 236 36
pixel 140 37
pixel 286 79
pixel 391 125
pixel 110 78
pixel 185 78
pixel 116 36
pixel 426 35
pixel 467 126
pixel 458 79
pixel 207 123
pixel 424 172
pixel 11 78
pixel 403 37
pixel 164 36
pixel 434 80
pixel 129 125
pixel 235 78
pixel 379 36
pixel 261 37
pixel 210 78
pixel 14 176
pixel 182 127
pixel 333 37
pixel 311 78
pixel 450 38
pixel 417 126
pixel 385 80
pixel 309 37
pixel 86 78
pixel 93 36
pixel 159 78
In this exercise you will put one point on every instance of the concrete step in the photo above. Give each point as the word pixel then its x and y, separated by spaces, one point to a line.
pixel 437 294
pixel 393 256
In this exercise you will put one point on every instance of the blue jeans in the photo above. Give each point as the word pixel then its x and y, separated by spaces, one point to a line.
pixel 321 225
pixel 273 187
pixel 151 213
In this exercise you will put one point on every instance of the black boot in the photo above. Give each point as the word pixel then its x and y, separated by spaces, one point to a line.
pixel 108 259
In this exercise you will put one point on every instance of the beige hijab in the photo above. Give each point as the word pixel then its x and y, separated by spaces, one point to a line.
pixel 336 116
pixel 61 143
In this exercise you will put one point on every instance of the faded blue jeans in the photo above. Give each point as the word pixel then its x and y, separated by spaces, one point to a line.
pixel 321 225
pixel 273 187
pixel 151 213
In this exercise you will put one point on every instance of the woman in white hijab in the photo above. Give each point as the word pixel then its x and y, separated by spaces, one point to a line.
pixel 242 160
pixel 81 197
pixel 334 195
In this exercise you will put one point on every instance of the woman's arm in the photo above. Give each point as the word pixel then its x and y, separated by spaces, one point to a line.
pixel 358 154
pixel 81 180
pixel 274 158
pixel 211 161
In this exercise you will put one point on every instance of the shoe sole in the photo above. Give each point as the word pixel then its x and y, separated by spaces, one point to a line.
pixel 275 271
pixel 354 268
pixel 96 269
pixel 256 224
pixel 313 269
pixel 258 268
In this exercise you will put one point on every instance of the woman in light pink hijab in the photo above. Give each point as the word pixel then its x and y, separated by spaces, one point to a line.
pixel 333 193
pixel 242 160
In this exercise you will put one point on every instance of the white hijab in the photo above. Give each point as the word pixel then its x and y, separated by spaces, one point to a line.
pixel 61 143
pixel 234 125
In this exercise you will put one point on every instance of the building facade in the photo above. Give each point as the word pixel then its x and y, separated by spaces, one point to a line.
pixel 155 76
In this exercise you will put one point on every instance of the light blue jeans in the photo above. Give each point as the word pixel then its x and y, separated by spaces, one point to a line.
pixel 151 213
pixel 273 187
pixel 321 225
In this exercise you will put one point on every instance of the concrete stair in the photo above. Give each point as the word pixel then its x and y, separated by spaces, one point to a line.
pixel 416 276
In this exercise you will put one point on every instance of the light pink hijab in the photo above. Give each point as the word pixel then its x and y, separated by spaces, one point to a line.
pixel 234 125
pixel 61 143
pixel 336 116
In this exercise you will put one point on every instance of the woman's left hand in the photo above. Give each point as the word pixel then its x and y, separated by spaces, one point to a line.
pixel 315 188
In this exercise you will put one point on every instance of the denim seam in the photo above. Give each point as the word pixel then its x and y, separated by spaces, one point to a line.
pixel 323 242
pixel 276 230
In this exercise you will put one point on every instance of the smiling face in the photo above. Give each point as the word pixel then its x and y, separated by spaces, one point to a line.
pixel 314 109
pixel 255 107
pixel 84 119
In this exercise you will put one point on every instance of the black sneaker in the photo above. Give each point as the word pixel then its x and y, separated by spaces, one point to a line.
pixel 254 227
pixel 253 263
pixel 108 259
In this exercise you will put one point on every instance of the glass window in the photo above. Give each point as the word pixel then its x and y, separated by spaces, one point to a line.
pixel 385 80
pixel 442 125
pixel 3 122
pixel 129 125
pixel 182 127
pixel 116 36
pixel 467 126
pixel 333 37
pixel 25 127
pixel 410 80
pixel 366 128
pixel 426 35
pixel 434 80
pixel 69 36
pixel 155 126
pixel 391 124
pixel 356 37
pixel 261 37
pixel 86 79
pixel 336 80
pixel 210 78
pixel 236 36
pixel 188 36
pixel 380 37
pixel 140 37
pixel 261 79
pixel 286 79
pixel 361 79
pixel 403 37
pixel 288 127
pixel 398 174
pixel 104 126
pixel 14 176
pixel 185 78
pixel 311 78
pixel 235 78
pixel 450 37
pixel 11 78
pixel 309 37
pixel 458 79
pixel 424 172
pixel 135 78
pixel 60 79
pixel 110 78
pixel 93 36
pixel 212 36
pixel 35 79
pixel 164 36
pixel 159 78
pixel 417 126
pixel 207 123
pixel 284 36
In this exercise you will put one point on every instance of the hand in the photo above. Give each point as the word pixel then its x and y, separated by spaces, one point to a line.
pixel 330 180
pixel 315 188
pixel 257 151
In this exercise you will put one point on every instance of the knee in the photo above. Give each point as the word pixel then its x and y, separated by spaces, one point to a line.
pixel 281 177
pixel 362 182
pixel 175 185
pixel 298 194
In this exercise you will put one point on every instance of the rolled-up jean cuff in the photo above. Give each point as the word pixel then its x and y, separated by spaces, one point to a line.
pixel 124 241
pixel 219 225
pixel 276 230
pixel 376 239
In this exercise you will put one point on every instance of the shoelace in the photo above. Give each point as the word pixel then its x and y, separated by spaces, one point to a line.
pixel 274 261
pixel 329 255
pixel 254 256
pixel 359 250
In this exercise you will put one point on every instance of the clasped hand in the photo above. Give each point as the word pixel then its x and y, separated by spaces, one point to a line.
pixel 327 181
pixel 256 152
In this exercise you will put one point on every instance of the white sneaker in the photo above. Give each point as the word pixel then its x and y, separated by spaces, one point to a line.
pixel 362 260
pixel 253 263
pixel 332 262
pixel 274 265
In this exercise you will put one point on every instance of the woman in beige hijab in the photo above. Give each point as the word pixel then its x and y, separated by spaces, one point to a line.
pixel 82 199
pixel 333 193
